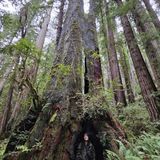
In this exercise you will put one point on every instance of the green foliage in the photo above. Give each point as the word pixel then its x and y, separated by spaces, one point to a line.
pixel 23 148
pixel 23 47
pixel 45 65
pixel 95 55
pixel 135 118
pixel 8 21
pixel 3 147
pixel 53 117
pixel 145 146
pixel 96 105
pixel 126 7
pixel 26 47
pixel 61 69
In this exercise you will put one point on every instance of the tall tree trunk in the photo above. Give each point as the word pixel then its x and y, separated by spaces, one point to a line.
pixel 114 66
pixel 31 72
pixel 153 14
pixel 7 110
pixel 23 28
pixel 93 72
pixel 60 21
pixel 39 44
pixel 7 107
pixel 104 33
pixel 59 124
pixel 151 42
pixel 5 77
pixel 125 69
pixel 150 50
pixel 148 88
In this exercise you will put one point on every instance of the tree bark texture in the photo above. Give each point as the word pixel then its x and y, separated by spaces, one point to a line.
pixel 125 69
pixel 150 39
pixel 31 72
pixel 60 21
pixel 57 124
pixel 93 72
pixel 114 66
pixel 145 80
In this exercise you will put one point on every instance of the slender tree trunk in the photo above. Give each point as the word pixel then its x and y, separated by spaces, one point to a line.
pixel 5 77
pixel 31 73
pixel 145 80
pixel 7 110
pixel 125 69
pixel 7 107
pixel 60 21
pixel 114 66
pixel 39 44
pixel 148 27
pixel 153 14
pixel 151 51
pixel 93 72
pixel 103 47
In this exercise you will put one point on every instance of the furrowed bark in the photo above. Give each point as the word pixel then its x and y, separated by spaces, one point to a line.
pixel 93 72
pixel 114 66
pixel 125 68
pixel 145 80
pixel 151 40
pixel 62 115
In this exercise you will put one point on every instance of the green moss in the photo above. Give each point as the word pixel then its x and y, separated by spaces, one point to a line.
pixel 3 144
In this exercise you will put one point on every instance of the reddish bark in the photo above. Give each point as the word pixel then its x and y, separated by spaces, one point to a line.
pixel 145 80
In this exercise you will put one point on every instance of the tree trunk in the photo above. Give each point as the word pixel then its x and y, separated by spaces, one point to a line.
pixel 61 122
pixel 153 14
pixel 7 107
pixel 39 44
pixel 104 46
pixel 151 42
pixel 145 80
pixel 150 50
pixel 93 72
pixel 114 66
pixel 125 68
pixel 60 21
pixel 5 77
pixel 31 72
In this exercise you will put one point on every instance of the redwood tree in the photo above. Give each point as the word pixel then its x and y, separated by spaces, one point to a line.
pixel 149 38
pixel 56 126
pixel 113 62
pixel 93 72
pixel 126 71
pixel 147 85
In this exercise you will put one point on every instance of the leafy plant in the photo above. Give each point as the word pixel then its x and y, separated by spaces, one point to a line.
pixel 145 146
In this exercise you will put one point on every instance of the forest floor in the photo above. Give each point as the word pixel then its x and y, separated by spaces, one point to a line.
pixel 143 135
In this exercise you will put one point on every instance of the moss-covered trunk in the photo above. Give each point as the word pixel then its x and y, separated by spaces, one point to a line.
pixel 54 131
